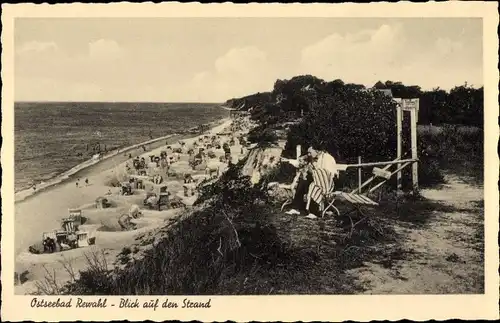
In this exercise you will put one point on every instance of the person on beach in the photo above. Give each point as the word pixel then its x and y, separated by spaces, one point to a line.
pixel 77 181
pixel 227 150
pixel 87 182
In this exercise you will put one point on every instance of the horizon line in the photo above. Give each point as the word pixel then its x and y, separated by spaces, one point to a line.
pixel 430 89
pixel 112 101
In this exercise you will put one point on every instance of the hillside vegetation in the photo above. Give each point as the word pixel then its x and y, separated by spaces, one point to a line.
pixel 461 105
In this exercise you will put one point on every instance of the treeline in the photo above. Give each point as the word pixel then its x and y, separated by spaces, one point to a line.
pixel 462 105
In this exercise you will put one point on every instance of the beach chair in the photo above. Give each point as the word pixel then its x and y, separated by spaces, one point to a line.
pixel 321 190
pixel 76 215
pixel 67 238
pixel 103 203
pixel 50 234
pixel 212 170
pixel 68 225
pixel 157 179
pixel 139 184
pixel 189 189
pixel 82 239
pixel 188 178
pixel 150 200
pixel 171 202
pixel 125 222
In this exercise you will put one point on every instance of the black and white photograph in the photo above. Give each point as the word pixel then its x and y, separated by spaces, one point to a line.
pixel 255 156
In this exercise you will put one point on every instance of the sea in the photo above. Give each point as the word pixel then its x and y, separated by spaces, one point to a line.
pixel 53 137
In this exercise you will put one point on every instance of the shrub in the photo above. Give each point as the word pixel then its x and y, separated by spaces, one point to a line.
pixel 454 148
pixel 349 124
pixel 262 136
pixel 429 173
pixel 283 173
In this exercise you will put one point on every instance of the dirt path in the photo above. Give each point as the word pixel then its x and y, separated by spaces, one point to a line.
pixel 444 256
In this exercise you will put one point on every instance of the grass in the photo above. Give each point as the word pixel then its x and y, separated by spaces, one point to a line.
pixel 94 276
pixel 436 130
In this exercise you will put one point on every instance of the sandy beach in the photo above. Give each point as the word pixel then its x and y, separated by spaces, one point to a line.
pixel 43 211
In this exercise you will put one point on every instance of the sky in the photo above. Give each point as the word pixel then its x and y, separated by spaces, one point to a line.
pixel 215 59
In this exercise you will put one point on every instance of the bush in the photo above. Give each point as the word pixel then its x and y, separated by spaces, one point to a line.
pixel 454 148
pixel 262 136
pixel 349 124
pixel 283 173
pixel 231 189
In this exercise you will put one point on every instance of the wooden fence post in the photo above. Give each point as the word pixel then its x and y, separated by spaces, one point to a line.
pixel 414 146
pixel 359 175
pixel 399 142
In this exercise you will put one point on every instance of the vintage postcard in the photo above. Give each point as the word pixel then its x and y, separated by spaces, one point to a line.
pixel 260 162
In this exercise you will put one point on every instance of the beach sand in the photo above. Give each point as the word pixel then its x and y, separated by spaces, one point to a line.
pixel 43 211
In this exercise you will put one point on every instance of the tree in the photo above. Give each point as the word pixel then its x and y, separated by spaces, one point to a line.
pixel 288 100
pixel 467 105
pixel 294 99
pixel 434 107
pixel 380 86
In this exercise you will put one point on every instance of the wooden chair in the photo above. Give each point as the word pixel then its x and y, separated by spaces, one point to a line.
pixel 321 190
pixel 358 200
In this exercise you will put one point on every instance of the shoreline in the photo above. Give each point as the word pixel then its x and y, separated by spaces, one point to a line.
pixel 26 193
pixel 54 201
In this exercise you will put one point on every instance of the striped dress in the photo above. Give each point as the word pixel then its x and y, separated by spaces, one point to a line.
pixel 321 186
